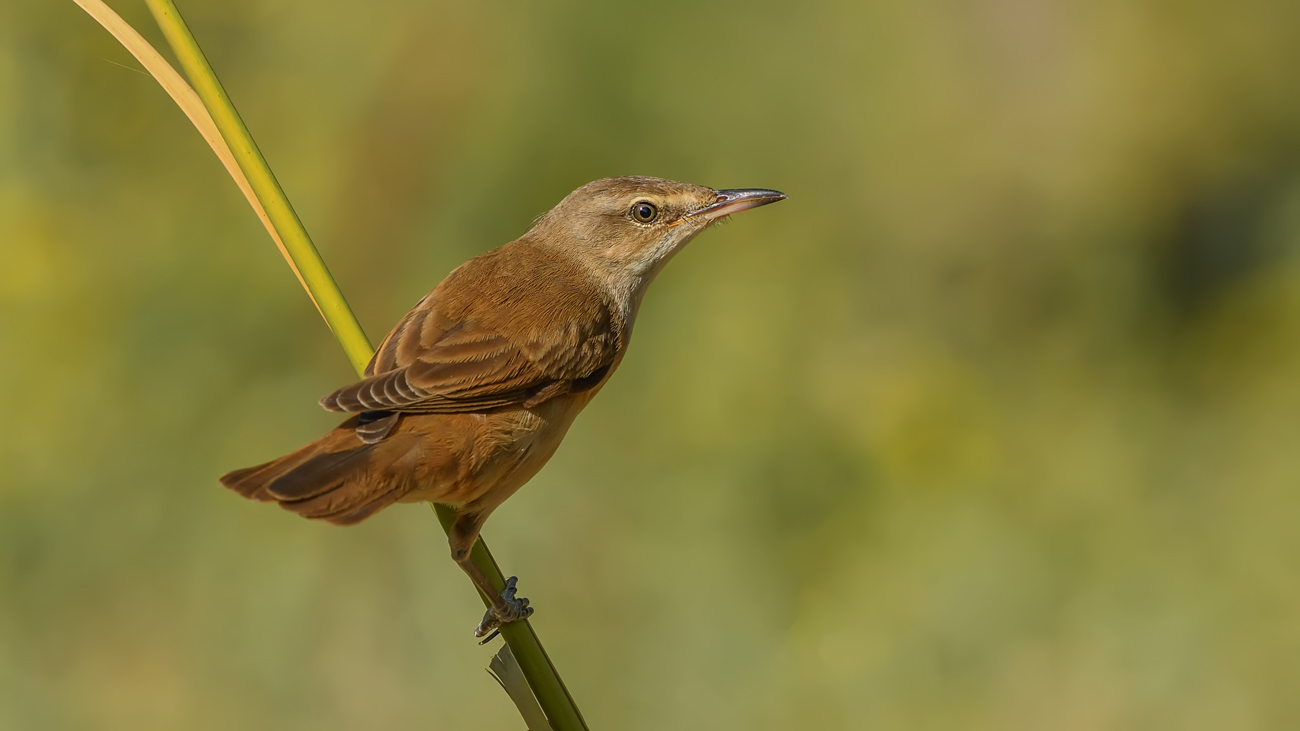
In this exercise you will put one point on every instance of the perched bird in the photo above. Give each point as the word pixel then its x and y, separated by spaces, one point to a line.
pixel 471 393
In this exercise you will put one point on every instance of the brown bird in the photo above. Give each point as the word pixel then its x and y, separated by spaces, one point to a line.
pixel 471 393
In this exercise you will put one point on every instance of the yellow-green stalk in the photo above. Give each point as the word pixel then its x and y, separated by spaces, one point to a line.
pixel 306 261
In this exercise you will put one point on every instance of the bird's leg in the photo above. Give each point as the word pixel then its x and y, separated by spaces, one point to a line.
pixel 505 607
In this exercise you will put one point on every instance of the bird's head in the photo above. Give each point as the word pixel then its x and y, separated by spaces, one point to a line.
pixel 624 230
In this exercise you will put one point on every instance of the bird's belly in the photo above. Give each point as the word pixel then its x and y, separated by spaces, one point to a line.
pixel 496 453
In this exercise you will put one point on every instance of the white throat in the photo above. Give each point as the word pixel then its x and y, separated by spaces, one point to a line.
pixel 627 282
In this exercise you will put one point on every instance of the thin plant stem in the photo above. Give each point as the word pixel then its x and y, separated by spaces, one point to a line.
pixel 192 106
pixel 305 260
pixel 333 307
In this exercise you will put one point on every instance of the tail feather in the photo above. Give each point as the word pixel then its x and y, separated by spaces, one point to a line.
pixel 331 479
pixel 318 473
pixel 343 507
pixel 251 482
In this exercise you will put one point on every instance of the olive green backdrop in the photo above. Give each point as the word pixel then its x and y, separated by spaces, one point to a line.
pixel 995 424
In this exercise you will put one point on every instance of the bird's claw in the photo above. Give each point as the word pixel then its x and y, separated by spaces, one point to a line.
pixel 512 610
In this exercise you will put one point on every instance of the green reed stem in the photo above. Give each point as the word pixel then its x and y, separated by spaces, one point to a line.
pixel 537 668
pixel 334 308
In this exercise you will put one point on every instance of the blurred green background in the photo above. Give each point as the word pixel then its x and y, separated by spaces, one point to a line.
pixel 995 424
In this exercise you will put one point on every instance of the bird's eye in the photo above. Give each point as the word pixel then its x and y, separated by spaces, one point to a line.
pixel 644 212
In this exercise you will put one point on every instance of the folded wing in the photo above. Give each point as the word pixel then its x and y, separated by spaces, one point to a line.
pixel 499 331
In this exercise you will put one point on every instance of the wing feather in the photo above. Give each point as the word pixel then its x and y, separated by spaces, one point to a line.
pixel 499 331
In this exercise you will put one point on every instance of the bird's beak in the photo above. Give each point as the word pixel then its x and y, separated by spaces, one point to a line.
pixel 735 201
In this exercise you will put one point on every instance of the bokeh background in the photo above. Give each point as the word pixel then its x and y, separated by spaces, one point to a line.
pixel 995 424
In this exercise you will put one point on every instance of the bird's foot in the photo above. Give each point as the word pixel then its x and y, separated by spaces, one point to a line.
pixel 510 610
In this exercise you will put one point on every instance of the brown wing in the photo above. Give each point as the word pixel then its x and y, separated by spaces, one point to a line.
pixel 513 326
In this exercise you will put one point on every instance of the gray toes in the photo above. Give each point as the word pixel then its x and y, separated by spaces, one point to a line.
pixel 514 610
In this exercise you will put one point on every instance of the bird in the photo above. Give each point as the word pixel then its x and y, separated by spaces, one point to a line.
pixel 473 390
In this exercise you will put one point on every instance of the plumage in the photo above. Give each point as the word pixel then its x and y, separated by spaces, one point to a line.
pixel 472 391
pixel 499 330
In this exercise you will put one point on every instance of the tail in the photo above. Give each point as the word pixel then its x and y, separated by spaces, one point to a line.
pixel 335 479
